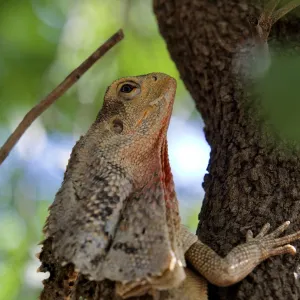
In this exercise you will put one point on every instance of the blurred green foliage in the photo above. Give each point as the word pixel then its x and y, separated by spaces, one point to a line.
pixel 280 90
pixel 41 42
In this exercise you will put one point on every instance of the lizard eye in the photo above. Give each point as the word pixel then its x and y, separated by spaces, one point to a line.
pixel 127 88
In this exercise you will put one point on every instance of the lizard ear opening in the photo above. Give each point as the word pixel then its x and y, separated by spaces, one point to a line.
pixel 117 126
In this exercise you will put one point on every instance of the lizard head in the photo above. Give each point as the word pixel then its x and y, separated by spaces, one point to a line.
pixel 140 104
pixel 137 111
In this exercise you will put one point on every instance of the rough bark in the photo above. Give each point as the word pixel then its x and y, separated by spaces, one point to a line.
pixel 253 177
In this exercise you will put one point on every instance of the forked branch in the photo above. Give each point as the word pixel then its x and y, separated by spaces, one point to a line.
pixel 37 110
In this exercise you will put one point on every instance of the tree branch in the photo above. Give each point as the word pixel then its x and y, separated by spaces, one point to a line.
pixel 73 77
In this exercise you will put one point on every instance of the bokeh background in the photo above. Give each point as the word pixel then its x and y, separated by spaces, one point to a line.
pixel 41 42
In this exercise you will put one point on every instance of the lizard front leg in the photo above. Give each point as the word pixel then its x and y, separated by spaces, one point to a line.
pixel 242 259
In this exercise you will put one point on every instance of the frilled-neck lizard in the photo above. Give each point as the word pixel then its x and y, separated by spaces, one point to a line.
pixel 116 214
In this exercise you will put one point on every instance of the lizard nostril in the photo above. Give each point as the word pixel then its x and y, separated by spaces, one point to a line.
pixel 154 77
pixel 117 126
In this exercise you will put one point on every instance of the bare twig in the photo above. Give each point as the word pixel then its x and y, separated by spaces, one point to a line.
pixel 37 110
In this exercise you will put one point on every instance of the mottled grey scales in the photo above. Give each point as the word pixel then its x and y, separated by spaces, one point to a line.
pixel 114 226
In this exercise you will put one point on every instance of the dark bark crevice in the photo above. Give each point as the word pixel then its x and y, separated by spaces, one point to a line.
pixel 253 177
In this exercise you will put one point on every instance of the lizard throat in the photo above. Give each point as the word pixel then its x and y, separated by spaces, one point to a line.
pixel 166 175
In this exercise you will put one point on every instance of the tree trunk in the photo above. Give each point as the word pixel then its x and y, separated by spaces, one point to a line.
pixel 253 177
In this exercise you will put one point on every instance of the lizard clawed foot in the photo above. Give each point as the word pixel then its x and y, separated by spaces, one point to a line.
pixel 270 16
pixel 270 244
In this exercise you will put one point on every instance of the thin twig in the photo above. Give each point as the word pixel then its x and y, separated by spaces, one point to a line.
pixel 37 110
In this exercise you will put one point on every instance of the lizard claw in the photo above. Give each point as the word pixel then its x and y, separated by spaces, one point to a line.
pixel 262 233
pixel 286 249
pixel 249 236
pixel 279 230
pixel 270 244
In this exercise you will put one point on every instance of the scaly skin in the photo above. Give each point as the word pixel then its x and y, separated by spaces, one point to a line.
pixel 116 214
